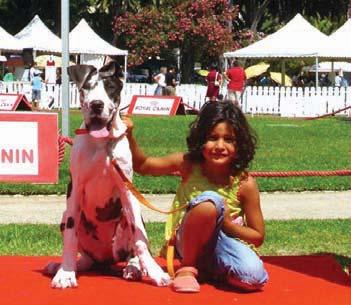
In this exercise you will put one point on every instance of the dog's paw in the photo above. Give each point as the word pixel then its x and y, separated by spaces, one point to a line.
pixel 132 273
pixel 160 278
pixel 64 279
pixel 51 268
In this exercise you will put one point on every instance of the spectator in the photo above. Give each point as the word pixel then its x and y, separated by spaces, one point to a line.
pixel 236 78
pixel 265 80
pixel 171 82
pixel 214 83
pixel 324 80
pixel 33 69
pixel 58 76
pixel 301 79
pixel 338 80
pixel 36 89
pixel 160 79
pixel 344 82
pixel 9 76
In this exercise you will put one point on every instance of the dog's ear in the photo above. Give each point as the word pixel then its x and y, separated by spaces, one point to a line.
pixel 108 70
pixel 112 68
pixel 79 74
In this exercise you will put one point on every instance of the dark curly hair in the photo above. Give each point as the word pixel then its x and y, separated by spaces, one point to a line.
pixel 210 115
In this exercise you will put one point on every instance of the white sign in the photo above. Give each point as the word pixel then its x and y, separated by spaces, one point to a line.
pixel 18 148
pixel 154 105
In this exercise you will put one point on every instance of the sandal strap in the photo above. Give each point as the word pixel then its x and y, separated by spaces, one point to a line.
pixel 193 270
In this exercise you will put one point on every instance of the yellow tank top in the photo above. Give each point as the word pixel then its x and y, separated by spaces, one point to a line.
pixel 194 186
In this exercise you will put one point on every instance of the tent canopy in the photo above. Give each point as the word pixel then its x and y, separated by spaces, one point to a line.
pixel 83 40
pixel 38 37
pixel 8 42
pixel 337 44
pixel 298 38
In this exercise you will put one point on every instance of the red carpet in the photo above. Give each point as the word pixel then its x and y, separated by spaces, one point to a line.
pixel 302 280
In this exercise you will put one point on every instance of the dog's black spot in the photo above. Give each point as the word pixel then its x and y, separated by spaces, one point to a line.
pixel 70 223
pixel 62 226
pixel 89 226
pixel 111 210
pixel 123 254
pixel 69 189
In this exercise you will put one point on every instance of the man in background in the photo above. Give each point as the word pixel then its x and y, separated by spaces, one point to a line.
pixel 236 78
pixel 171 82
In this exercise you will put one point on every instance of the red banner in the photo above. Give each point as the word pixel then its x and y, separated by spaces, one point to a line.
pixel 28 147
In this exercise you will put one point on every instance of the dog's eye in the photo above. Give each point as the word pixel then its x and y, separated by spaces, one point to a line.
pixel 112 87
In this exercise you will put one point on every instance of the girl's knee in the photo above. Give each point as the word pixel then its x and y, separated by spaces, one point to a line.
pixel 209 196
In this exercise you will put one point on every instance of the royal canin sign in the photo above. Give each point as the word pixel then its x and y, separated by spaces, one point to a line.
pixel 28 147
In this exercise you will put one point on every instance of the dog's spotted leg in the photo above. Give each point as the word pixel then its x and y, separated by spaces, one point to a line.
pixel 66 274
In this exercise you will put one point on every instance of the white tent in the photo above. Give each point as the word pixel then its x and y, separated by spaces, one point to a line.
pixel 38 37
pixel 328 66
pixel 298 38
pixel 92 48
pixel 337 45
pixel 8 42
pixel 83 40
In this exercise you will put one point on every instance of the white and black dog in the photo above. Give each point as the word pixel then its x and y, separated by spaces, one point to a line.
pixel 102 220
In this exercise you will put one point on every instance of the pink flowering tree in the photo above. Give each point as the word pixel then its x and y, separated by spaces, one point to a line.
pixel 201 29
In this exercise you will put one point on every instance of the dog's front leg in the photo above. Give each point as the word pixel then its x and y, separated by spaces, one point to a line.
pixel 66 275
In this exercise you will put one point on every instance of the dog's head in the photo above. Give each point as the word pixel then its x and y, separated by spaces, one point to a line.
pixel 99 95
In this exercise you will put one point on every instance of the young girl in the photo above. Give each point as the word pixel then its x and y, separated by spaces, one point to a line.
pixel 216 234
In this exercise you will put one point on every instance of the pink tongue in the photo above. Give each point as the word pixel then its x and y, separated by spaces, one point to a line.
pixel 101 133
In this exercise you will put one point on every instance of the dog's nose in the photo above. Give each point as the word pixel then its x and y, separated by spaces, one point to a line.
pixel 97 106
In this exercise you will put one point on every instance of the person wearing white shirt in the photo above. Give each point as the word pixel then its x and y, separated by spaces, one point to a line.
pixel 160 79
pixel 338 80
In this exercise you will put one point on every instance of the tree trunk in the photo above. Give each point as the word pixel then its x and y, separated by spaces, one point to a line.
pixel 187 63
pixel 258 14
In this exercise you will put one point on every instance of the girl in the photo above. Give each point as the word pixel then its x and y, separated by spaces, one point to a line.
pixel 223 222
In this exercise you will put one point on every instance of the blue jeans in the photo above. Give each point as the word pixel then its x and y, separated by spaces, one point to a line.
pixel 226 257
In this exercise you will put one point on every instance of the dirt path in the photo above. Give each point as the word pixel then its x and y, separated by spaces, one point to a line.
pixel 303 205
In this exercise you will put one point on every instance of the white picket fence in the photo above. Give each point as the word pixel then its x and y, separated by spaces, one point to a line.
pixel 283 101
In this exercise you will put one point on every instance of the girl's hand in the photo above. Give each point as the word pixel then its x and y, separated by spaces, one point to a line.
pixel 129 123
pixel 227 218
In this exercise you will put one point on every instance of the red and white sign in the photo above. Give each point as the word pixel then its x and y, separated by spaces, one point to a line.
pixel 156 105
pixel 28 147
pixel 11 102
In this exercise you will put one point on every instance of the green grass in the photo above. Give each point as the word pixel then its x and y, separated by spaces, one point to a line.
pixel 292 237
pixel 284 145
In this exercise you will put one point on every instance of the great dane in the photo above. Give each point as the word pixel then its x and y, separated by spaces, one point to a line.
pixel 102 221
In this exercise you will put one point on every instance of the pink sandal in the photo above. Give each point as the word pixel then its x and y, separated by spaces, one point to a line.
pixel 186 283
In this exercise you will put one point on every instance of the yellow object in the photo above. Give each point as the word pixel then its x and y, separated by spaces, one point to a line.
pixel 170 258
pixel 256 70
pixel 277 77
pixel 42 59
pixel 202 72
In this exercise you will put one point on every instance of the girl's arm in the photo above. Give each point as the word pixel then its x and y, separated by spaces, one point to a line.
pixel 254 232
pixel 148 165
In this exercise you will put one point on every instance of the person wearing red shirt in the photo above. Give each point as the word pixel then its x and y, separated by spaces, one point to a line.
pixel 236 78
pixel 214 82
